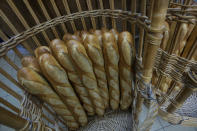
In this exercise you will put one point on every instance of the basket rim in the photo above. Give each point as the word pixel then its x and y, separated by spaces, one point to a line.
pixel 120 14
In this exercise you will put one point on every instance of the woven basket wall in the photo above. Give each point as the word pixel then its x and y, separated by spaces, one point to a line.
pixel 27 24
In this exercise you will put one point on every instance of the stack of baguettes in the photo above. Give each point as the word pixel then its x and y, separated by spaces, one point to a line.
pixel 85 73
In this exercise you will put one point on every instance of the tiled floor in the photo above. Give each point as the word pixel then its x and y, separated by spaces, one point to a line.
pixel 161 125
pixel 4 128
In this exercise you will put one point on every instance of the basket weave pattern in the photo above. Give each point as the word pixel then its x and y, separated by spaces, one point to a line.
pixel 180 69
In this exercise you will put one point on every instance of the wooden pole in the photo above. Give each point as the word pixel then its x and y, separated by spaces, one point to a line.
pixel 154 37
pixel 141 41
pixel 133 29
pixel 10 119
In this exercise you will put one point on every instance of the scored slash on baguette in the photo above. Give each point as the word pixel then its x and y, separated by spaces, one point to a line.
pixel 94 51
pixel 84 66
pixel 126 51
pixel 111 57
pixel 59 80
pixel 60 52
pixel 89 65
pixel 35 84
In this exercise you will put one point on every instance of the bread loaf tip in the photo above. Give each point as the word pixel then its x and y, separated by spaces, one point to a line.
pixel 41 50
pixel 31 62
pixel 69 36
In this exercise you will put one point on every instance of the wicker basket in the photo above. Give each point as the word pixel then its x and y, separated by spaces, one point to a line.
pixel 27 24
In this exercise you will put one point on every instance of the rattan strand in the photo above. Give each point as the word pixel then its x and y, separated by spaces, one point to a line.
pixel 170 63
pixel 136 18
pixel 173 66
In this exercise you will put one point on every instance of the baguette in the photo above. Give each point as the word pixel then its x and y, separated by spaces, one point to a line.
pixel 91 31
pixel 84 66
pixel 115 33
pixel 194 56
pixel 103 30
pixel 94 51
pixel 180 38
pixel 68 37
pixel 83 35
pixel 41 50
pixel 31 62
pixel 98 34
pixel 77 33
pixel 166 35
pixel 111 57
pixel 189 29
pixel 60 51
pixel 37 85
pixel 58 78
pixel 126 52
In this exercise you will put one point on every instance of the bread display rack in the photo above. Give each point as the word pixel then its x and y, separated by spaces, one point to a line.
pixel 91 65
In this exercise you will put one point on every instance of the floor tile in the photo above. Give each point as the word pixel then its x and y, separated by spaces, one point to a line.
pixel 17 61
pixel 20 92
pixel 163 122
pixel 5 128
pixel 156 126
pixel 179 128
pixel 3 93
pixel 160 129
pixel 11 55
pixel 7 108
pixel 12 100
pixel 8 68
pixel 143 114
pixel 9 84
